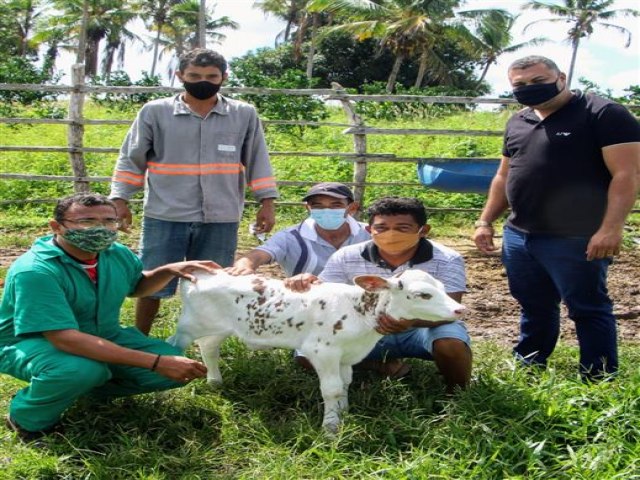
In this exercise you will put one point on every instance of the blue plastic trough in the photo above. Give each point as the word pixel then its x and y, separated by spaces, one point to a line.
pixel 462 176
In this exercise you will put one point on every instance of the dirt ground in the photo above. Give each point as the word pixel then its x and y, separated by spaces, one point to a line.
pixel 493 314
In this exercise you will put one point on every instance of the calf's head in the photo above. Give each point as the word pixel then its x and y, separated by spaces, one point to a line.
pixel 413 294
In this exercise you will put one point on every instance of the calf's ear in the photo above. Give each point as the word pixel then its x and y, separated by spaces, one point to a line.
pixel 371 283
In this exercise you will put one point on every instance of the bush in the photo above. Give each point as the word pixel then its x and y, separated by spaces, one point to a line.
pixel 411 110
pixel 252 71
pixel 125 102
pixel 21 70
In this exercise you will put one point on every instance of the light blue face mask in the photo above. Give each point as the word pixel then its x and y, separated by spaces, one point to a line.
pixel 329 218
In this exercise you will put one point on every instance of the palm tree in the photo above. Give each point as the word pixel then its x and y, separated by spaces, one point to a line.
pixel 181 31
pixel 405 27
pixel 319 13
pixel 583 16
pixel 157 13
pixel 117 39
pixel 491 36
pixel 291 11
pixel 107 19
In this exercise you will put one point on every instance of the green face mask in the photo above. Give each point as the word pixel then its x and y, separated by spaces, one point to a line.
pixel 94 239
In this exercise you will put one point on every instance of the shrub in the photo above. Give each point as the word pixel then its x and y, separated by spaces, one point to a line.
pixel 125 102
pixel 21 70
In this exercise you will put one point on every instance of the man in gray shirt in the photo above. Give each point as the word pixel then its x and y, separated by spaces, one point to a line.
pixel 193 154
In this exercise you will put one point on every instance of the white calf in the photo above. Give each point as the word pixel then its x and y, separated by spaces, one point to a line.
pixel 332 324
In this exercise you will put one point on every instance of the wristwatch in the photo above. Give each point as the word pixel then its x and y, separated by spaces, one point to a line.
pixel 482 223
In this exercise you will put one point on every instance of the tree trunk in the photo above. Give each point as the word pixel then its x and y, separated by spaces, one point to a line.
pixel 82 38
pixel 26 28
pixel 484 73
pixel 297 45
pixel 421 69
pixel 312 45
pixel 391 83
pixel 50 57
pixel 574 52
pixel 156 47
pixel 202 24
pixel 107 61
pixel 91 55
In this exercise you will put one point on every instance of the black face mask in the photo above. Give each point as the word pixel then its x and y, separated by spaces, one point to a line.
pixel 201 90
pixel 531 95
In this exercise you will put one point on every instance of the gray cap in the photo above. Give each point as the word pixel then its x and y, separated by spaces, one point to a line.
pixel 331 189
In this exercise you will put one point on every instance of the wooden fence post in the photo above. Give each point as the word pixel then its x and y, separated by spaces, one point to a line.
pixel 75 132
pixel 359 146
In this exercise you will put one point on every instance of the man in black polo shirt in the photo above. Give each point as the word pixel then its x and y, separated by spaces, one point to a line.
pixel 570 173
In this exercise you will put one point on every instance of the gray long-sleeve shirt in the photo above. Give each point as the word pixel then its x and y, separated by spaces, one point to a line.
pixel 195 168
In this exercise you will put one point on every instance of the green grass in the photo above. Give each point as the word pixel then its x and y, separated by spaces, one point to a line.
pixel 264 423
pixel 324 139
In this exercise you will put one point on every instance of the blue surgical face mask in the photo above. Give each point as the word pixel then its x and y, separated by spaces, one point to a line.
pixel 329 218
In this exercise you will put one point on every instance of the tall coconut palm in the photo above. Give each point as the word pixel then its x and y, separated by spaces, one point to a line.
pixel 182 30
pixel 583 16
pixel 291 11
pixel 319 13
pixel 155 14
pixel 116 42
pixel 492 36
pixel 405 27
pixel 106 19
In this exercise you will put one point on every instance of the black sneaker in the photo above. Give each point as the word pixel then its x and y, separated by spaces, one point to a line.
pixel 28 436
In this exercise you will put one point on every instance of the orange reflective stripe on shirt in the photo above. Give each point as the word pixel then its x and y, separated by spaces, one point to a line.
pixel 262 183
pixel 189 169
pixel 128 177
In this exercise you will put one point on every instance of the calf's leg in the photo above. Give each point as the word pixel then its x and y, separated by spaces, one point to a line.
pixel 333 390
pixel 210 351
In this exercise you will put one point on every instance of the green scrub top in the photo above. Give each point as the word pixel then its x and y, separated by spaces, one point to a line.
pixel 46 289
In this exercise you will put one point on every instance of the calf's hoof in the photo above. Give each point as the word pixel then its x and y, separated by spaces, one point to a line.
pixel 214 382
pixel 331 429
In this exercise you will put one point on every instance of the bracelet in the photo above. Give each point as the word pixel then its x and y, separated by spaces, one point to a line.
pixel 155 363
pixel 482 223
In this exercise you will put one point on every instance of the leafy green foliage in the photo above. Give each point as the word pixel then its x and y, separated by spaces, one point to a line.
pixel 342 59
pixel 256 70
pixel 22 70
pixel 408 110
pixel 122 101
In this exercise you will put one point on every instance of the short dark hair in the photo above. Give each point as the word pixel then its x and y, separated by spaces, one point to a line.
pixel 202 57
pixel 86 199
pixel 398 206
pixel 531 60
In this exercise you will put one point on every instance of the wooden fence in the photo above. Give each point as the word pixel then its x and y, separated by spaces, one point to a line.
pixel 354 126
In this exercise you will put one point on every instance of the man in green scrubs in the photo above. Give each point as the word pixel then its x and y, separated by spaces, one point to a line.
pixel 59 319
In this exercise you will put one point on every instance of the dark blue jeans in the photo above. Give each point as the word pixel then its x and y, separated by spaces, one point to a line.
pixel 165 242
pixel 544 270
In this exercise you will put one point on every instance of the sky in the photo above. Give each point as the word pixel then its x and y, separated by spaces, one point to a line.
pixel 602 58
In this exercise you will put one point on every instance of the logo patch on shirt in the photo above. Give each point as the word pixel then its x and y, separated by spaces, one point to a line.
pixel 563 134
pixel 226 148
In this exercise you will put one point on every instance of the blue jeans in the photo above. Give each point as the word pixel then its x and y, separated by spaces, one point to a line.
pixel 165 242
pixel 543 270
pixel 417 342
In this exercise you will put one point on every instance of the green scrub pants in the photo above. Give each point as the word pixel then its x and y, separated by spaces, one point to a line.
pixel 57 379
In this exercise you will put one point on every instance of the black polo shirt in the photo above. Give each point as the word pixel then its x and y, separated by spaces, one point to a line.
pixel 557 182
